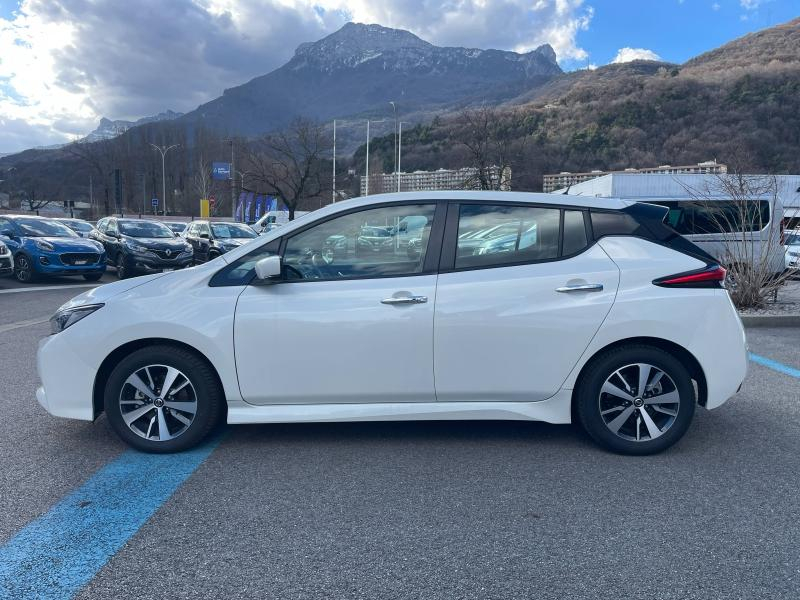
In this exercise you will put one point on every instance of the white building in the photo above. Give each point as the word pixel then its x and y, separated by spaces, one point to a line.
pixel 442 179
pixel 554 181
pixel 659 186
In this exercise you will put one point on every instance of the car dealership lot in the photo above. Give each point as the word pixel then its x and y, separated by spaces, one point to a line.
pixel 425 510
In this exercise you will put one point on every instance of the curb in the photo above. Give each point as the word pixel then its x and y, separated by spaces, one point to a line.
pixel 770 320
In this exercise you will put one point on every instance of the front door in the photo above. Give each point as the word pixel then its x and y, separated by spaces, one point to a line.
pixel 344 325
pixel 521 299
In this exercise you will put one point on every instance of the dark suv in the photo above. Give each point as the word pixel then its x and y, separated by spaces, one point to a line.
pixel 134 246
pixel 209 239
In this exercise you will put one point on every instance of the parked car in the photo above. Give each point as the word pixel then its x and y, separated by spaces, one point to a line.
pixel 136 246
pixel 792 256
pixel 177 228
pixel 374 240
pixel 606 316
pixel 6 260
pixel 753 228
pixel 274 218
pixel 212 239
pixel 44 247
pixel 79 226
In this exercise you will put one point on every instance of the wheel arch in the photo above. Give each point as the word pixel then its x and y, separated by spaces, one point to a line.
pixel 111 361
pixel 676 350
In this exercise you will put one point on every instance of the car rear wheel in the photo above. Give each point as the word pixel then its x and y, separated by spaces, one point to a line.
pixel 163 399
pixel 635 400
pixel 23 269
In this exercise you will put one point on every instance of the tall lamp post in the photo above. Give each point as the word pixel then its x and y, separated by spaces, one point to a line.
pixel 163 150
pixel 394 137
pixel 399 150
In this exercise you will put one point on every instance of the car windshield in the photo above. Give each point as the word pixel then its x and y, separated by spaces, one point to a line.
pixel 232 230
pixel 78 225
pixel 44 228
pixel 375 232
pixel 145 229
pixel 793 239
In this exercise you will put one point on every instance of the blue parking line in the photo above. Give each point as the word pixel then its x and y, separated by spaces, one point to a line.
pixel 57 554
pixel 775 365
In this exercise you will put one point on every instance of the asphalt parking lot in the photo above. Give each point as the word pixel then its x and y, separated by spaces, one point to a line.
pixel 398 510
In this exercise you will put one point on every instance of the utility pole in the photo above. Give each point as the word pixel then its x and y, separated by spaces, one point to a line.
pixel 144 193
pixel 163 150
pixel 399 152
pixel 394 135
pixel 91 197
pixel 233 183
pixel 333 186
pixel 367 184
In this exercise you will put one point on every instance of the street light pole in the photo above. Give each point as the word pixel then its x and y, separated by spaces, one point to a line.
pixel 394 135
pixel 333 186
pixel 163 150
pixel 367 184
pixel 399 152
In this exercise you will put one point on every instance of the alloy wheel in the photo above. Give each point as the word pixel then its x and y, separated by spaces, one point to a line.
pixel 158 402
pixel 23 269
pixel 639 402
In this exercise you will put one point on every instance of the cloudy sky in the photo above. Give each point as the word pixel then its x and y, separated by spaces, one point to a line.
pixel 66 63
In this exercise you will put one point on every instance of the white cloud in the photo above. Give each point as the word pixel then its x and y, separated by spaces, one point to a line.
pixel 715 6
pixel 628 54
pixel 750 4
pixel 66 63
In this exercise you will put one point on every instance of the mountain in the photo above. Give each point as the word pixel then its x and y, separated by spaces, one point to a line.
pixel 108 129
pixel 360 68
pixel 739 103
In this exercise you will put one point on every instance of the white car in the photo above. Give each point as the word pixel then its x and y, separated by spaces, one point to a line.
pixel 6 260
pixel 597 312
pixel 792 256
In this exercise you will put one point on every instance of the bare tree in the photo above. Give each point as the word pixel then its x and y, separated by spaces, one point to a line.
pixel 201 178
pixel 742 208
pixel 485 133
pixel 288 164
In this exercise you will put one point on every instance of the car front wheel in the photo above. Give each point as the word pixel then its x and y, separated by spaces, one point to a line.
pixel 23 269
pixel 635 400
pixel 163 399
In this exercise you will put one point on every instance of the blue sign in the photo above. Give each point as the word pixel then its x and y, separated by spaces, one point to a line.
pixel 220 170
pixel 154 201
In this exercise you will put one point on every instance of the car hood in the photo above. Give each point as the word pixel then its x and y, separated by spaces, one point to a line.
pixel 102 293
pixel 159 243
pixel 62 244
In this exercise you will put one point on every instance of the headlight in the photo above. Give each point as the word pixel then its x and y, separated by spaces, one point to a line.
pixel 136 247
pixel 187 247
pixel 69 316
pixel 3 249
pixel 794 254
pixel 44 245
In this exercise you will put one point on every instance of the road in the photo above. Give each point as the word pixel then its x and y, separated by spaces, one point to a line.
pixel 421 510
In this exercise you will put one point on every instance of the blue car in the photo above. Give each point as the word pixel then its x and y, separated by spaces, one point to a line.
pixel 43 247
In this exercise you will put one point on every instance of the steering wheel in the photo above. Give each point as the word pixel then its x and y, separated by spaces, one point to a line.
pixel 309 265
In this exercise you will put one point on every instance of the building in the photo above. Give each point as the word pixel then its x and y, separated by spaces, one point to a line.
pixel 443 179
pixel 557 181
pixel 658 186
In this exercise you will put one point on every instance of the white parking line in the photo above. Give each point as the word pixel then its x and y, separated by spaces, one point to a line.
pixel 19 324
pixel 46 288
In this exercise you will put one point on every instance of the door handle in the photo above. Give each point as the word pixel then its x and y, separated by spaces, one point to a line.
pixel 405 300
pixel 581 287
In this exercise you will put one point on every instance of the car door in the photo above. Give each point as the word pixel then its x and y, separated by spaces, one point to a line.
pixel 204 241
pixel 341 327
pixel 190 235
pixel 515 311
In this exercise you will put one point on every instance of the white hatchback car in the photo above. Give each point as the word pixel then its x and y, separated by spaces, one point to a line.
pixel 568 308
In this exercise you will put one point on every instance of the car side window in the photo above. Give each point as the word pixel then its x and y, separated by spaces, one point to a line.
pixel 388 241
pixel 575 238
pixel 494 235
pixel 111 226
pixel 101 225
pixel 204 229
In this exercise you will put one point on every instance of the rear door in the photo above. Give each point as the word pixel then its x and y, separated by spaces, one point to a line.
pixel 515 311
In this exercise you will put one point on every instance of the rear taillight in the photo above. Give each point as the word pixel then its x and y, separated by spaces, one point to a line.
pixel 710 276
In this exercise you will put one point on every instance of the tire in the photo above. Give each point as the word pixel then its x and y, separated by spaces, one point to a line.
pixel 93 277
pixel 184 428
pixel 668 405
pixel 23 269
pixel 122 270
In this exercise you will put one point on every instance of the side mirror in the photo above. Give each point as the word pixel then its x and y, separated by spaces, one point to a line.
pixel 269 268
pixel 204 236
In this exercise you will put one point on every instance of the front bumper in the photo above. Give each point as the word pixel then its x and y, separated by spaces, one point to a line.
pixel 6 266
pixel 148 262
pixel 67 381
pixel 54 263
